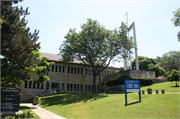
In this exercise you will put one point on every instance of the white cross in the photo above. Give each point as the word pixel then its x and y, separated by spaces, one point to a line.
pixel 127 17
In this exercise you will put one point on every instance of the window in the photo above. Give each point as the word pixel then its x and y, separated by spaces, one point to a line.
pixel 68 86
pixel 89 87
pixel 74 87
pixel 71 70
pixel 47 85
pixel 25 84
pixel 34 84
pixel 62 86
pixel 81 70
pixel 105 72
pixel 52 68
pixel 109 72
pixel 59 68
pixel 37 85
pixel 68 69
pixel 78 70
pixel 71 86
pixel 56 68
pixel 74 70
pixel 29 84
pixel 81 87
pixel 86 71
pixel 112 72
pixel 102 73
pixel 41 85
pixel 77 87
pixel 63 69
pixel 86 88
pixel 89 71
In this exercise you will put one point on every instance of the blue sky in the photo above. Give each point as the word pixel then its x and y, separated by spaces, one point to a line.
pixel 155 32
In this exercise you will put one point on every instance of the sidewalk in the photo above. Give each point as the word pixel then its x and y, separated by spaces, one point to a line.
pixel 42 113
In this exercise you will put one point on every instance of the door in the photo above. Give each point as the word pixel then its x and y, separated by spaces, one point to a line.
pixel 55 88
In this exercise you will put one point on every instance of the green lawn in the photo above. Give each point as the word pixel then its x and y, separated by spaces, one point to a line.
pixel 169 86
pixel 25 108
pixel 112 105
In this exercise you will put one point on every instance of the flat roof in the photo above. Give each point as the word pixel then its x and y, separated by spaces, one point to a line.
pixel 57 58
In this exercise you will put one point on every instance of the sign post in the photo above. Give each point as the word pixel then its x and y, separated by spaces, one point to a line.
pixel 132 86
pixel 10 99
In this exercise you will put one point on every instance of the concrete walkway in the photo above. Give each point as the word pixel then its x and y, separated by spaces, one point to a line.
pixel 42 113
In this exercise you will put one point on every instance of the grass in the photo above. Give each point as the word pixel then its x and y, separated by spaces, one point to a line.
pixel 25 108
pixel 112 105
pixel 169 86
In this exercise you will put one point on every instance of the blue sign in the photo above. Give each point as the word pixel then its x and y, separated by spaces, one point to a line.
pixel 132 86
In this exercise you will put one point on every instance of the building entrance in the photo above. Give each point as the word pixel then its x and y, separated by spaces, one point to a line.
pixel 55 88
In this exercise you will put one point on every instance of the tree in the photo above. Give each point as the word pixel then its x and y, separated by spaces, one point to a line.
pixel 170 61
pixel 174 76
pixel 19 48
pixel 159 71
pixel 95 46
pixel 143 63
pixel 176 21
pixel 176 18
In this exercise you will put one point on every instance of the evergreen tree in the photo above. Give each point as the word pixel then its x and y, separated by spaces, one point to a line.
pixel 19 48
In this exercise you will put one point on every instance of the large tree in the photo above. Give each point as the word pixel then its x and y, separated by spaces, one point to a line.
pixel 19 48
pixel 176 21
pixel 149 64
pixel 143 63
pixel 170 61
pixel 95 46
pixel 159 71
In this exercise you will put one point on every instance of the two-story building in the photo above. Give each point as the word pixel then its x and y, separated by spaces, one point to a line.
pixel 72 78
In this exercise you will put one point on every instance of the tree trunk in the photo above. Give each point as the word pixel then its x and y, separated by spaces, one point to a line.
pixel 94 83
pixel 176 84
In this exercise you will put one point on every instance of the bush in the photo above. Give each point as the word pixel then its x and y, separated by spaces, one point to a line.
pixel 30 114
pixel 120 81
pixel 26 114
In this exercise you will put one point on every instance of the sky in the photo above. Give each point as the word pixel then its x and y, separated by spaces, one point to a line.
pixel 155 32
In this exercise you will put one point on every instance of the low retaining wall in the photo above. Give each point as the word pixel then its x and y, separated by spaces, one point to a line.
pixel 160 80
pixel 130 73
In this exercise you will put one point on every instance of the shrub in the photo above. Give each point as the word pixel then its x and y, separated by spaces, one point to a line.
pixel 120 80
pixel 30 114
pixel 26 114
pixel 9 117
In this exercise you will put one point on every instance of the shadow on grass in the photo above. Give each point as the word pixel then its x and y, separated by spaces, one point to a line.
pixel 176 86
pixel 65 99
pixel 132 103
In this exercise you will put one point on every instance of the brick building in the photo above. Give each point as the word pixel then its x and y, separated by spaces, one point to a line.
pixel 74 78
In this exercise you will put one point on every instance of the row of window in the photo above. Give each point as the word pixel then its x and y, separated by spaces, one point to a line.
pixel 106 72
pixel 74 87
pixel 70 86
pixel 79 87
pixel 75 70
pixel 33 85
pixel 57 68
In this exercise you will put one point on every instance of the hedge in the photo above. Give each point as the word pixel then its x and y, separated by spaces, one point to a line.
pixel 120 80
